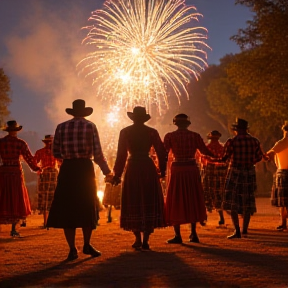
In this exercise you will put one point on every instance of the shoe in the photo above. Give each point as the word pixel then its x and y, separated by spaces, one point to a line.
pixel 145 246
pixel 281 228
pixel 175 240
pixel 73 255
pixel 90 250
pixel 14 233
pixel 221 222
pixel 23 224
pixel 137 245
pixel 194 239
pixel 234 235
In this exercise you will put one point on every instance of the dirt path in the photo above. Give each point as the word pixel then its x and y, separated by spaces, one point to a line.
pixel 259 260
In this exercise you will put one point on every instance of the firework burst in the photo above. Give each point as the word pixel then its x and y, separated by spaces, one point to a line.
pixel 144 51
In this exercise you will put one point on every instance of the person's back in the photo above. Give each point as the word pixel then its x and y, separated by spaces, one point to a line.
pixel 14 198
pixel 142 198
pixel 77 142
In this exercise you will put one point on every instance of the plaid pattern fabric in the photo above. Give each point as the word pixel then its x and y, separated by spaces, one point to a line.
pixel 46 187
pixel 184 144
pixel 45 158
pixel 242 151
pixel 239 194
pixel 12 149
pixel 279 193
pixel 213 182
pixel 78 138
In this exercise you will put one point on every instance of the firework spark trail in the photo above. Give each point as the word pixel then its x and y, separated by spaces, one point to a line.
pixel 144 50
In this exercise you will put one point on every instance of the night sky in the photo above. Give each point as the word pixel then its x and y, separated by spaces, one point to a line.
pixel 40 45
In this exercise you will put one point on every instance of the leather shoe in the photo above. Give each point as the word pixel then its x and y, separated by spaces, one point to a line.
pixel 90 250
pixel 137 245
pixel 73 255
pixel 234 235
pixel 175 240
pixel 194 239
pixel 145 246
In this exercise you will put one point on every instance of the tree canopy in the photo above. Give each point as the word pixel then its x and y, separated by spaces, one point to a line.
pixel 4 96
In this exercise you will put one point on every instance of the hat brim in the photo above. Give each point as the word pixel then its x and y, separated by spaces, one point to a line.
pixel 134 117
pixel 9 129
pixel 237 127
pixel 80 113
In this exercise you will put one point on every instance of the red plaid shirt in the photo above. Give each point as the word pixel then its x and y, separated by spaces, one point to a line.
pixel 184 143
pixel 78 138
pixel 12 149
pixel 242 151
pixel 216 148
pixel 46 159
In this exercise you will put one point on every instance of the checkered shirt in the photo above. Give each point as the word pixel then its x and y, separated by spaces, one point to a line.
pixel 78 138
pixel 13 149
pixel 46 159
pixel 242 151
pixel 184 144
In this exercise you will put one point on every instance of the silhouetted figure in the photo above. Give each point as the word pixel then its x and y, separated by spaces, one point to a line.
pixel 242 152
pixel 47 180
pixel 279 194
pixel 77 142
pixel 185 199
pixel 14 198
pixel 142 198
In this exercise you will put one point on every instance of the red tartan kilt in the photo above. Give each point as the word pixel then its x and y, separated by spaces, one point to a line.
pixel 185 200
pixel 14 198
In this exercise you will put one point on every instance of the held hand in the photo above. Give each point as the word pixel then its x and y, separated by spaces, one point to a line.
pixel 108 178
pixel 116 181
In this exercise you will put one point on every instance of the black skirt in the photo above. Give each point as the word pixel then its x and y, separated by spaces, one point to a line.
pixel 74 204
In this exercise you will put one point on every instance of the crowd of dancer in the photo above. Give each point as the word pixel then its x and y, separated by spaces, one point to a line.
pixel 199 177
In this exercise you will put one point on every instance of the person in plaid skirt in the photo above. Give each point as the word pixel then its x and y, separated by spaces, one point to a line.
pixel 47 180
pixel 14 198
pixel 213 177
pixel 142 203
pixel 74 205
pixel 242 152
pixel 279 193
pixel 184 200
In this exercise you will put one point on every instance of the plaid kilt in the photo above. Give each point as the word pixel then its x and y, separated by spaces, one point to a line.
pixel 112 195
pixel 279 193
pixel 47 182
pixel 213 181
pixel 239 193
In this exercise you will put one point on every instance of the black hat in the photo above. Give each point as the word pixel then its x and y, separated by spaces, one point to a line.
pixel 181 118
pixel 48 138
pixel 79 109
pixel 214 134
pixel 12 126
pixel 139 113
pixel 240 124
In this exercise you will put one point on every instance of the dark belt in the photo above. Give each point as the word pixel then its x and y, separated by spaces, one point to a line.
pixel 242 167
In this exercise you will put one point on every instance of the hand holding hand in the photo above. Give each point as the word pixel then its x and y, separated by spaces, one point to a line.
pixel 115 181
pixel 108 178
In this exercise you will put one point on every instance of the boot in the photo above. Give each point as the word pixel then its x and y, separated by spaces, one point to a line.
pixel 236 234
pixel 145 245
pixel 177 238
pixel 193 236
pixel 138 243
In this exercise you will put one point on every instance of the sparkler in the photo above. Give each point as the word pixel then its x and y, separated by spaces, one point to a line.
pixel 143 51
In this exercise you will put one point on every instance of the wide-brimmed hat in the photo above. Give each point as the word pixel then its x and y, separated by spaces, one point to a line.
pixel 181 119
pixel 12 126
pixel 139 114
pixel 79 109
pixel 240 124
pixel 214 134
pixel 48 138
